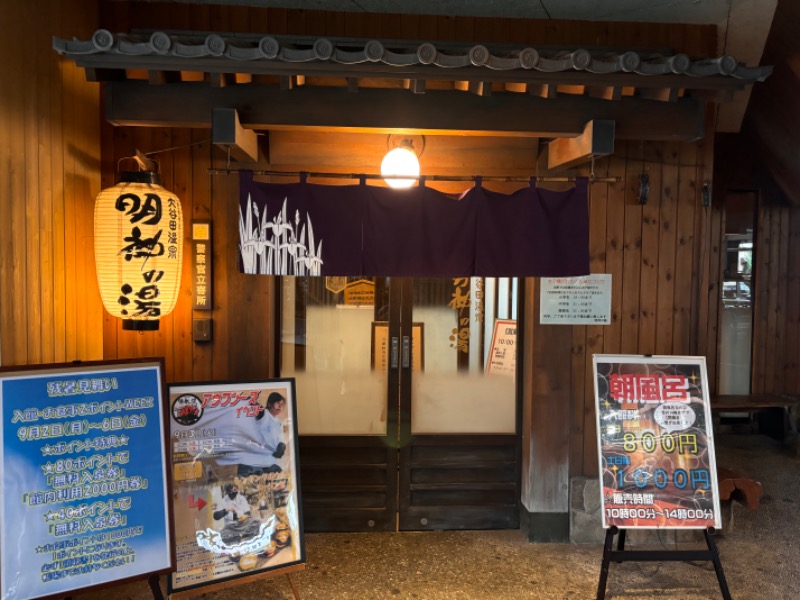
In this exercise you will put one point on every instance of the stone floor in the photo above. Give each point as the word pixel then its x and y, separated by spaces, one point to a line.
pixel 760 555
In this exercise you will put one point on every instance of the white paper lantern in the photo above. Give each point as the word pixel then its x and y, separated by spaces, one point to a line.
pixel 138 249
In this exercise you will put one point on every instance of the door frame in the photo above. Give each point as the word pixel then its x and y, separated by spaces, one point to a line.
pixel 345 476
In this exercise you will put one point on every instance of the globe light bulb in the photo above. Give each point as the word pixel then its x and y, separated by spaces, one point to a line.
pixel 400 161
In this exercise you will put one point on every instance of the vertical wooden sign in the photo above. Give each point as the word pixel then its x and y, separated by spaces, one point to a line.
pixel 201 266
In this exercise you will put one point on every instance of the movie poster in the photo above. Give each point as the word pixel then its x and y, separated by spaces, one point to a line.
pixel 656 447
pixel 235 479
pixel 85 497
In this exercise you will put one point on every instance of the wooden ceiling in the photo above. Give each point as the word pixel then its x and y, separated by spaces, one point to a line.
pixel 773 118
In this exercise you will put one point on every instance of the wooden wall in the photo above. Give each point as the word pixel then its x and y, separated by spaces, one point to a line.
pixel 660 257
pixel 664 256
pixel 765 159
pixel 50 308
pixel 772 117
pixel 776 269
pixel 658 254
pixel 776 309
pixel 662 299
pixel 242 328
pixel 695 40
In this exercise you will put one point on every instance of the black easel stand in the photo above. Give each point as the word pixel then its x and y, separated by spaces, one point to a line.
pixel 621 555
pixel 155 587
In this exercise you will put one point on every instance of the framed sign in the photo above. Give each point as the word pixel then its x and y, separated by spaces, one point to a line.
pixel 656 447
pixel 85 497
pixel 503 351
pixel 237 507
pixel 381 352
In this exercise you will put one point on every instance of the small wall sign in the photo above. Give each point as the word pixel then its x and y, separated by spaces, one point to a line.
pixel 201 265
pixel 582 300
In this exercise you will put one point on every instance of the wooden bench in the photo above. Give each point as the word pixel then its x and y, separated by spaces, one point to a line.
pixel 754 403
pixel 735 486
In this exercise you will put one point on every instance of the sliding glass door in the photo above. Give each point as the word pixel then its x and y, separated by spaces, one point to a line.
pixel 407 404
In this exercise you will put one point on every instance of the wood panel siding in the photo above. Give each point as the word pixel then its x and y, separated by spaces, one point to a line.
pixel 694 40
pixel 50 309
pixel 242 346
pixel 776 263
pixel 653 254
pixel 348 485
pixel 776 308
pixel 665 257
pixel 459 482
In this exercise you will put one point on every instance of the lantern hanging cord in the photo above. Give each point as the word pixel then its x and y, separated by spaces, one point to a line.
pixel 145 163
pixel 177 147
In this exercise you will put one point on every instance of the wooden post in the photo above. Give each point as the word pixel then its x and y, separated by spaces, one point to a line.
pixel 546 424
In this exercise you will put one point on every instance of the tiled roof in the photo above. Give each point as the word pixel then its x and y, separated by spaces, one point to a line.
pixel 177 78
pixel 249 53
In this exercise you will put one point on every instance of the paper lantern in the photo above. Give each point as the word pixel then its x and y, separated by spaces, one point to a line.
pixel 138 249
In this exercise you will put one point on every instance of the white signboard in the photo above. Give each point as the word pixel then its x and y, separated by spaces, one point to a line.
pixel 575 300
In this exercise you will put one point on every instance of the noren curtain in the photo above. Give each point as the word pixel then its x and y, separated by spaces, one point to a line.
pixel 310 229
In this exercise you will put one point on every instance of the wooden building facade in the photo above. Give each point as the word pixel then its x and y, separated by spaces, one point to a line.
pixel 666 257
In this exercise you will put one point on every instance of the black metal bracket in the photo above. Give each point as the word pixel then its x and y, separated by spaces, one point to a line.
pixel 621 555
pixel 644 187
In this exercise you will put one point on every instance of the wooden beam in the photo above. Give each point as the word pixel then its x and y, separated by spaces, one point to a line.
pixel 162 77
pixel 480 88
pixel 97 75
pixel 227 132
pixel 544 90
pixel 604 92
pixel 290 82
pixel 548 383
pixel 596 140
pixel 217 80
pixel 660 94
pixel 569 78
pixel 385 110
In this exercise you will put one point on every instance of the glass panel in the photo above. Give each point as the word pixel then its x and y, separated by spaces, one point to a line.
pixel 326 333
pixel 454 392
pixel 736 322
pixel 736 318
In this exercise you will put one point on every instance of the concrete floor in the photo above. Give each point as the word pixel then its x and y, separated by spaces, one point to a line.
pixel 760 556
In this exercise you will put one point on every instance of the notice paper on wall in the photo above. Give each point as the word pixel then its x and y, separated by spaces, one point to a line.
pixel 575 300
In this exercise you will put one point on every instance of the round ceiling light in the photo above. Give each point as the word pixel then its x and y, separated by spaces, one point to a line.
pixel 401 161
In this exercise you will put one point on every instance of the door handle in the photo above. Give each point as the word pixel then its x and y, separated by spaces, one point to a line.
pixel 406 351
pixel 395 352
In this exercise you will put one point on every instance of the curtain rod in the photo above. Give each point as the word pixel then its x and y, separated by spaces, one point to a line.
pixel 591 177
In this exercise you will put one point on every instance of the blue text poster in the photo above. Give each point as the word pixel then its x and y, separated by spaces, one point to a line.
pixel 85 499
